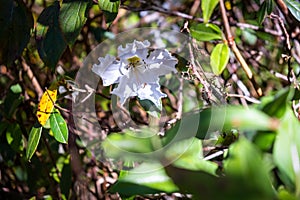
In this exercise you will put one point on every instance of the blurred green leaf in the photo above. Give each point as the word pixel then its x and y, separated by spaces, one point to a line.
pixel 14 138
pixel 219 58
pixel 50 41
pixel 265 140
pixel 187 154
pixel 284 194
pixel 206 32
pixel 208 7
pixel 262 12
pixel 294 8
pixel 16 23
pixel 286 149
pixel 12 101
pixel 270 6
pixel 147 178
pixel 59 127
pixel 33 140
pixel 276 105
pixel 72 17
pixel 110 9
pixel 245 163
pixel 202 123
pixel 129 146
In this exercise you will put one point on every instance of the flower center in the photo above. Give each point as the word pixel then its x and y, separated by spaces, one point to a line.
pixel 134 61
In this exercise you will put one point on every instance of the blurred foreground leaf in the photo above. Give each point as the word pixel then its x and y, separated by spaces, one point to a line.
pixel 148 178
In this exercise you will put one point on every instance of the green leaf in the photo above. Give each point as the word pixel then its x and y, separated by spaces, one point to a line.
pixel 245 168
pixel 50 41
pixel 110 9
pixel 59 127
pixel 187 154
pixel 270 6
pixel 206 32
pixel 294 8
pixel 219 58
pixel 262 12
pixel 286 150
pixel 33 141
pixel 14 137
pixel 15 22
pixel 72 18
pixel 208 7
pixel 129 146
pixel 147 178
pixel 275 106
pixel 202 123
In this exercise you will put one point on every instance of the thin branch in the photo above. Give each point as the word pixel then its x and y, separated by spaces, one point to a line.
pixel 235 50
pixel 250 99
pixel 33 79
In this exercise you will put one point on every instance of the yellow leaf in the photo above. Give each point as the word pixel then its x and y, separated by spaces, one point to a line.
pixel 46 106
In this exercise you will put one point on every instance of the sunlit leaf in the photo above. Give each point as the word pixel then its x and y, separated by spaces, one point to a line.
pixel 219 58
pixel 148 178
pixel 72 18
pixel 294 8
pixel 208 7
pixel 59 127
pixel 286 150
pixel 110 9
pixel 46 105
pixel 33 141
pixel 206 32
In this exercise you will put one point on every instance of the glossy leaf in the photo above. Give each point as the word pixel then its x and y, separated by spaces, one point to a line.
pixel 33 141
pixel 208 7
pixel 206 32
pixel 219 58
pixel 50 41
pixel 110 9
pixel 286 150
pixel 59 127
pixel 294 8
pixel 72 18
pixel 147 178
pixel 15 22
pixel 46 106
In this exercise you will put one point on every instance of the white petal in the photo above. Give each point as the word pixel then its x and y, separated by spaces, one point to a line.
pixel 161 62
pixel 151 92
pixel 126 88
pixel 109 69
pixel 133 47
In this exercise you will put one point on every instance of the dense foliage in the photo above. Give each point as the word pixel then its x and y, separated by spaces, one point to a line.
pixel 230 133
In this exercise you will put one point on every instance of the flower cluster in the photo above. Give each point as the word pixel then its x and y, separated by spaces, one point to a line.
pixel 136 70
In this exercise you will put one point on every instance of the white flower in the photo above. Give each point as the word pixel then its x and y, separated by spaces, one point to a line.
pixel 136 70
